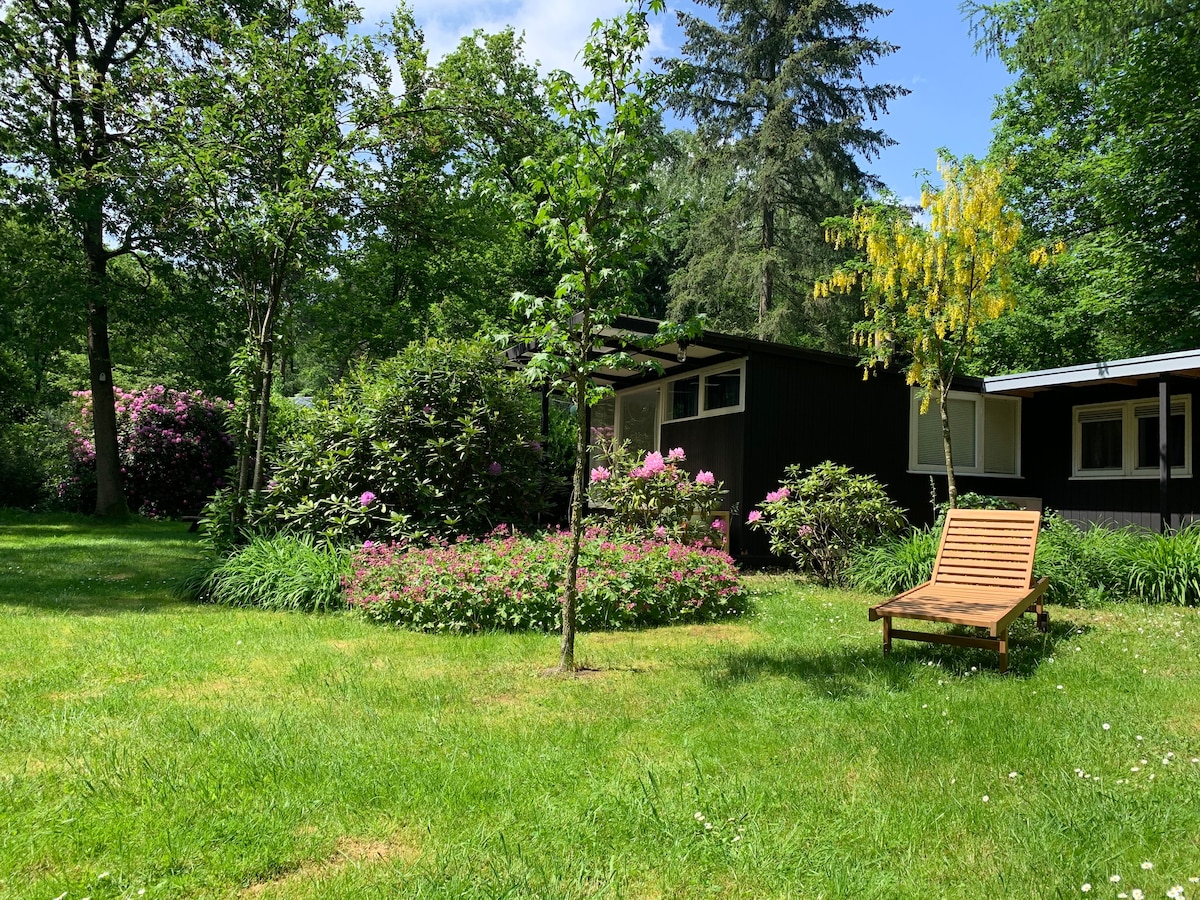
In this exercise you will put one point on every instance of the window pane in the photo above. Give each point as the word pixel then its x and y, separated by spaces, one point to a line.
pixel 1100 444
pixel 603 414
pixel 962 433
pixel 723 389
pixel 639 420
pixel 1148 441
pixel 684 398
pixel 1000 436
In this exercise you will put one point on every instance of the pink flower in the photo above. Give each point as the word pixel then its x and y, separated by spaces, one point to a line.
pixel 495 468
pixel 676 454
pixel 718 525
pixel 754 516
pixel 366 499
pixel 704 477
pixel 653 464
pixel 781 494
pixel 600 474
pixel 660 532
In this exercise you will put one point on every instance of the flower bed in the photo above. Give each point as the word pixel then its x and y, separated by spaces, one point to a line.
pixel 512 582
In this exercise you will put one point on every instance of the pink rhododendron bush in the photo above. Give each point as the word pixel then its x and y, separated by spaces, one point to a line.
pixel 507 581
pixel 656 496
pixel 174 448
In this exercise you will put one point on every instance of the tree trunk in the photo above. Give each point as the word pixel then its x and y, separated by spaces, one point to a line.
pixel 951 485
pixel 766 279
pixel 266 367
pixel 110 491
pixel 566 661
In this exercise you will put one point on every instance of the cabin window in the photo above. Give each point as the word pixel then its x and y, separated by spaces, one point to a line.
pixel 985 434
pixel 709 393
pixel 1120 440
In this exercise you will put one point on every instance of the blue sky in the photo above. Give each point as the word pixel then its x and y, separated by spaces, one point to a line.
pixel 952 87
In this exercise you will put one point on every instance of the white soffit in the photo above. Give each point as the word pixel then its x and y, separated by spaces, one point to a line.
pixel 1180 362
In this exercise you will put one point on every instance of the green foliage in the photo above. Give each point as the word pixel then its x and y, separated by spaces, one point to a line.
pixel 438 440
pixel 785 118
pixel 1085 567
pixel 894 565
pixel 1166 568
pixel 1097 122
pixel 511 582
pixel 820 516
pixel 656 496
pixel 282 572
pixel 33 461
pixel 973 500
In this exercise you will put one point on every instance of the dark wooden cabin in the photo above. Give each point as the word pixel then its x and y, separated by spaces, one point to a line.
pixel 1082 440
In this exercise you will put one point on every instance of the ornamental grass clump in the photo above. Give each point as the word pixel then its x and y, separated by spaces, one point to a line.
pixel 655 496
pixel 280 572
pixel 511 582
pixel 820 516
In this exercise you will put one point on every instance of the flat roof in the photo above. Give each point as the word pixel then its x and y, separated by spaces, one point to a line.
pixel 1179 362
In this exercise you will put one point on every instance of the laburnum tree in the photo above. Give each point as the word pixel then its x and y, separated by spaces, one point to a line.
pixel 926 288
pixel 778 92
pixel 590 202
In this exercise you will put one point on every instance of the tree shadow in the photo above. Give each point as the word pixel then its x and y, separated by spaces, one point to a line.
pixel 852 671
pixel 79 566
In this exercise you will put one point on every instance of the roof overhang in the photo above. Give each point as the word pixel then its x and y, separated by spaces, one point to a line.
pixel 634 336
pixel 1182 363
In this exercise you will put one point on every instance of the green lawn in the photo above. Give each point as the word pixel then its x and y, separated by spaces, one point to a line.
pixel 192 751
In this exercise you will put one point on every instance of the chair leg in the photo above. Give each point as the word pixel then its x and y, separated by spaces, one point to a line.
pixel 1043 617
pixel 887 635
pixel 1003 637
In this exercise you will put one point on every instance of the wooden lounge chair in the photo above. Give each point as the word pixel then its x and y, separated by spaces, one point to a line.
pixel 983 577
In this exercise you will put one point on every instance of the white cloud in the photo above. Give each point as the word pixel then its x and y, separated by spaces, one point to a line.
pixel 555 31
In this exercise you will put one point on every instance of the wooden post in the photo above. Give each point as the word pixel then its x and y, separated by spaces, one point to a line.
pixel 887 635
pixel 1164 454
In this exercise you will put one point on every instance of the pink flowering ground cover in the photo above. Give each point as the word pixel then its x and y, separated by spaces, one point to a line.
pixel 513 582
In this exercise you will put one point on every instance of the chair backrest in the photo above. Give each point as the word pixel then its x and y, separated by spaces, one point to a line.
pixel 987 548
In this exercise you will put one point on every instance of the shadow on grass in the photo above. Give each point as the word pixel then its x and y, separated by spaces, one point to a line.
pixel 852 671
pixel 88 567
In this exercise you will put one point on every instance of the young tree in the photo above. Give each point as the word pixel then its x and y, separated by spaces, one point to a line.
pixel 779 87
pixel 926 289
pixel 76 78
pixel 269 129
pixel 590 203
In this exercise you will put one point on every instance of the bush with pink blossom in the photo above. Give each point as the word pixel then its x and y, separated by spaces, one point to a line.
pixel 820 515
pixel 512 582
pixel 656 496
pixel 174 446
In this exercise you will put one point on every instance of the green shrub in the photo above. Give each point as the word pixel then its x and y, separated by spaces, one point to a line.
pixel 821 516
pixel 656 497
pixel 1166 568
pixel 279 572
pixel 33 460
pixel 1084 566
pixel 511 582
pixel 437 441
pixel 895 565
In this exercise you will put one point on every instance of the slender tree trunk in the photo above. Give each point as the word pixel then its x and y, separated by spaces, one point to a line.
pixel 566 661
pixel 951 484
pixel 110 491
pixel 266 369
pixel 766 279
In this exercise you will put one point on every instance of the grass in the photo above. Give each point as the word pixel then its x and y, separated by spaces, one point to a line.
pixel 199 751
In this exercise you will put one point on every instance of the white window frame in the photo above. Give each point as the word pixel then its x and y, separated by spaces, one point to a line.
pixel 664 385
pixel 915 467
pixel 1129 469
pixel 663 388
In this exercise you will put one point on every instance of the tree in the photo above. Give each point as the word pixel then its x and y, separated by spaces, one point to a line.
pixel 1099 125
pixel 589 201
pixel 778 87
pixel 925 290
pixel 269 129
pixel 77 79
